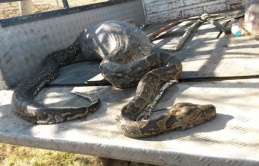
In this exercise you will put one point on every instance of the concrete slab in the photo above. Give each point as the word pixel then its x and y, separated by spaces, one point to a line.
pixel 230 139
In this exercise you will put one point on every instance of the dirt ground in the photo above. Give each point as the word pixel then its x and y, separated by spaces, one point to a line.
pixel 11 9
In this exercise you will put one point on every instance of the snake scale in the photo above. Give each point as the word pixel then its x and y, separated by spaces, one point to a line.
pixel 126 61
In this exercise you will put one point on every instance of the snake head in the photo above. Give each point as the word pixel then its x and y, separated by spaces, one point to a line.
pixel 194 114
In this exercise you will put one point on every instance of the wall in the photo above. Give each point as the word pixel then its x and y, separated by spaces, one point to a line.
pixel 164 10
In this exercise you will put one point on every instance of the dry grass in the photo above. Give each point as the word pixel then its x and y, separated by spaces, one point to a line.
pixel 12 155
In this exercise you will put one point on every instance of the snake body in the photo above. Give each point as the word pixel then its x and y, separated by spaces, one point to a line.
pixel 124 50
pixel 181 116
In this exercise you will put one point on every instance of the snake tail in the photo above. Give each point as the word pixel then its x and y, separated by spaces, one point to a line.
pixel 25 107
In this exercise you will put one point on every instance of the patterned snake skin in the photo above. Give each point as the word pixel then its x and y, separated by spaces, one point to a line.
pixel 126 62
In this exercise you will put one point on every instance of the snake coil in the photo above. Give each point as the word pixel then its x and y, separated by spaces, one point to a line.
pixel 124 50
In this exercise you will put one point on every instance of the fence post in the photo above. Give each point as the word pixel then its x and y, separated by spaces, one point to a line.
pixel 26 7
pixel 65 3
